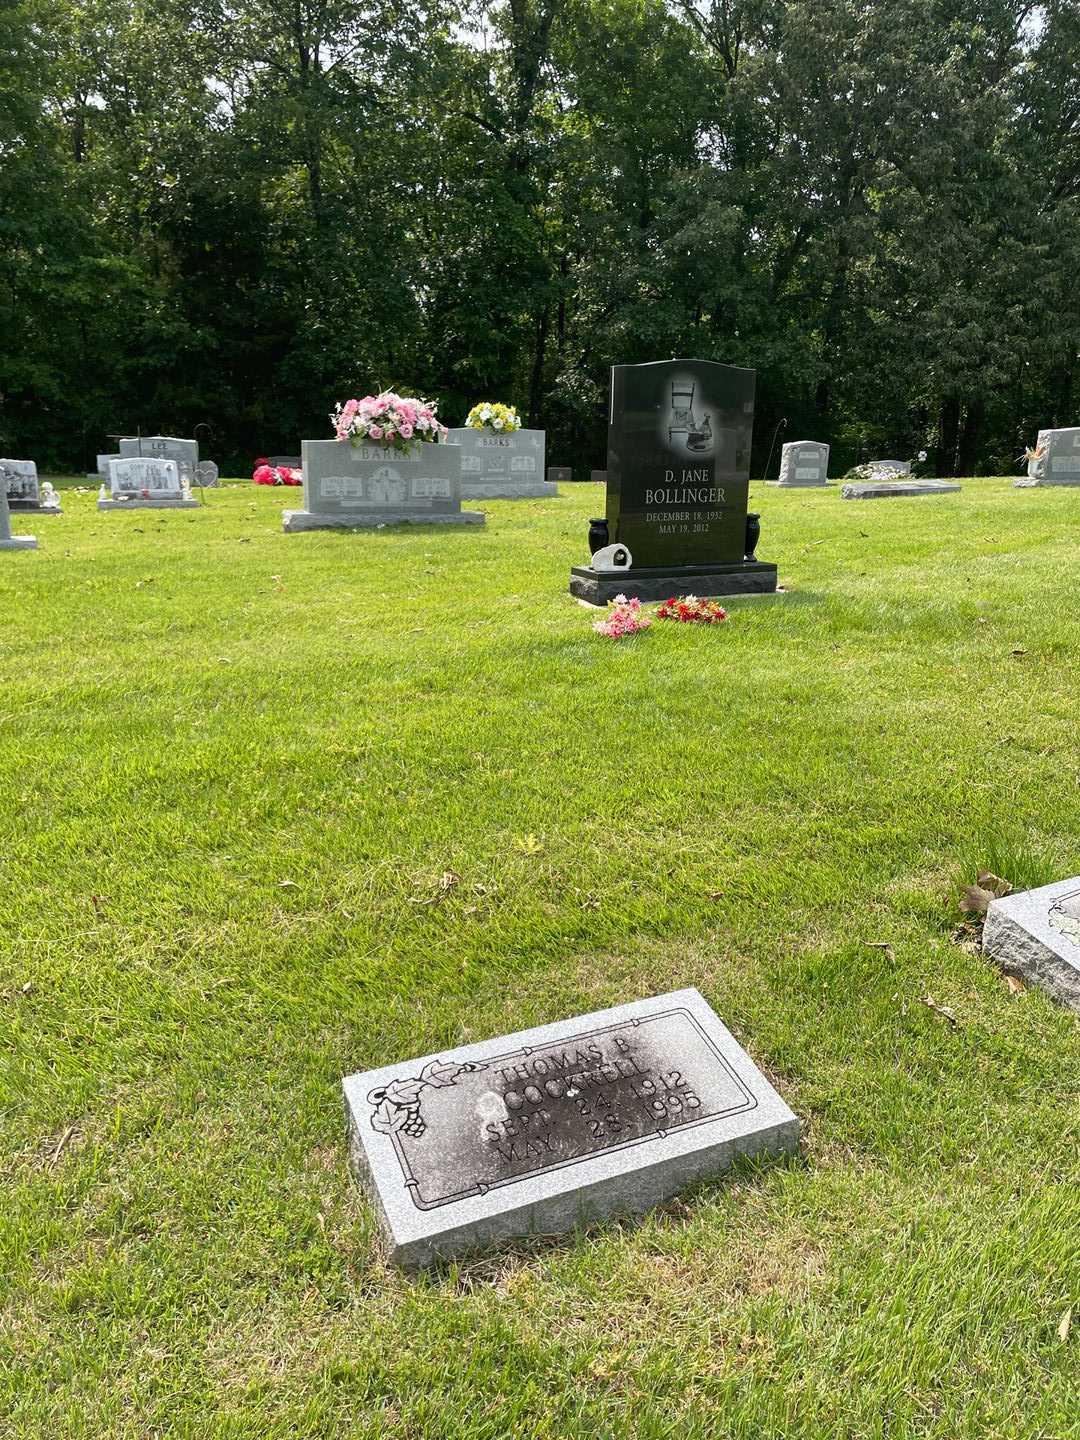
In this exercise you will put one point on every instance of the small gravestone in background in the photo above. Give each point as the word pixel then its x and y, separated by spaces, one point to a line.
pixel 886 488
pixel 1036 934
pixel 598 477
pixel 146 483
pixel 7 540
pixel 1055 460
pixel 24 495
pixel 102 471
pixel 803 463
pixel 560 474
pixel 678 482
pixel 287 462
pixel 898 467
pixel 348 486
pixel 163 447
pixel 500 466
pixel 549 1128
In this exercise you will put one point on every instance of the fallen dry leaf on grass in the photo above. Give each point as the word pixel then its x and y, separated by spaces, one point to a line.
pixel 1015 984
pixel 1065 1324
pixel 943 1010
pixel 287 885
pixel 974 900
pixel 885 946
pixel 998 887
pixel 447 882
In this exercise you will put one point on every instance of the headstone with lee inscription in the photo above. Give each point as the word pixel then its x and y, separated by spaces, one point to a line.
pixel 803 463
pixel 542 1130
pixel 1035 934
pixel 1055 460
pixel 678 478
pixel 164 447
pixel 7 540
pixel 500 466
pixel 25 495
pixel 145 483
pixel 350 486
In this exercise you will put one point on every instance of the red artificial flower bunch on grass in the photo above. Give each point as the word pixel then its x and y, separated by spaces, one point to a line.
pixel 690 610
pixel 267 474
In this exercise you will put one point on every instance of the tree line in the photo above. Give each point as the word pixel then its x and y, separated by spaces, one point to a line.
pixel 234 214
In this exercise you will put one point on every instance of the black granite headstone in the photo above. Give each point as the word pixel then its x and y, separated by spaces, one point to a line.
pixel 678 476
pixel 679 461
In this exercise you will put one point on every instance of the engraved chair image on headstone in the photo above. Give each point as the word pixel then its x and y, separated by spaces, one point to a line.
pixel 552 1127
pixel 678 479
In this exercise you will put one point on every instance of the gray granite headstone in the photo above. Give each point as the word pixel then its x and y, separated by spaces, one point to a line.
pixel 206 475
pixel 501 467
pixel 103 464
pixel 541 1130
pixel 560 474
pixel 164 447
pixel 1036 934
pixel 19 479
pixel 598 477
pixel 1058 462
pixel 145 482
pixel 803 463
pixel 884 489
pixel 290 462
pixel 346 486
pixel 7 540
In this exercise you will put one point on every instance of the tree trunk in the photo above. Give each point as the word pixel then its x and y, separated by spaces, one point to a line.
pixel 536 382
pixel 970 435
pixel 948 428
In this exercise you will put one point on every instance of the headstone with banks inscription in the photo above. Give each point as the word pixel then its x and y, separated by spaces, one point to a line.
pixel 678 478
pixel 348 486
pixel 500 466
pixel 539 1131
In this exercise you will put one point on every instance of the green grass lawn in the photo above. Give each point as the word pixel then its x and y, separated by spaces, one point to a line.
pixel 197 709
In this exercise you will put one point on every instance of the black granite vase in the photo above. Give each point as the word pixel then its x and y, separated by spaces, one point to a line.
pixel 598 535
pixel 753 532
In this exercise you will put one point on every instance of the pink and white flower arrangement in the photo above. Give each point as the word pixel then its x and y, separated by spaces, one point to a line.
pixel 625 617
pixel 388 419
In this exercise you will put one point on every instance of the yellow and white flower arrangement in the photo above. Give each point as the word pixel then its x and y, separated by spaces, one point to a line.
pixel 486 416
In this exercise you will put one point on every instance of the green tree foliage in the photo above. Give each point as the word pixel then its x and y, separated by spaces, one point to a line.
pixel 234 212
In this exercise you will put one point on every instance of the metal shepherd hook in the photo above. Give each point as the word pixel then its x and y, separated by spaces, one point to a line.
pixel 780 425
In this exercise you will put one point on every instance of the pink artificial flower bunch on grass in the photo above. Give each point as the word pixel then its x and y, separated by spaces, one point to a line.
pixel 625 617
pixel 387 419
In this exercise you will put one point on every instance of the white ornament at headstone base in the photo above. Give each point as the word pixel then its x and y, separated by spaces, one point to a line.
pixel 497 465
pixel 612 557
pixel 7 540
pixel 1055 459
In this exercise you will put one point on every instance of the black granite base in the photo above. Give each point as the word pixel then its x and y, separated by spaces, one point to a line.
pixel 752 577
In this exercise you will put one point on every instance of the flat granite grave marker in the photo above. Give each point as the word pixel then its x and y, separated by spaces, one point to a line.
pixel 560 474
pixel 1036 934
pixel 7 540
pixel 803 463
pixel 501 467
pixel 348 486
pixel 145 483
pixel 163 447
pixel 884 489
pixel 1056 460
pixel 678 478
pixel 19 479
pixel 539 1131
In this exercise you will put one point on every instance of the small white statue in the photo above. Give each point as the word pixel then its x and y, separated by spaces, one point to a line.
pixel 612 557
pixel 50 500
pixel 103 493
